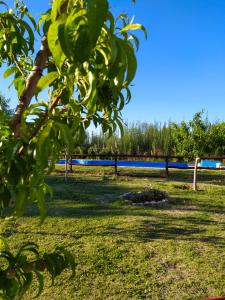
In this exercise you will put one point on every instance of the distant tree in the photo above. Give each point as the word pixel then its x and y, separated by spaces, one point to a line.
pixel 216 139
pixel 4 105
pixel 190 139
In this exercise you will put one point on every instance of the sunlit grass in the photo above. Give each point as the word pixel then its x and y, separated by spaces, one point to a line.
pixel 174 251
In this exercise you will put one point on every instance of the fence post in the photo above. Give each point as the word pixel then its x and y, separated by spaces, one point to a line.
pixel 71 166
pixel 167 166
pixel 66 168
pixel 195 174
pixel 116 163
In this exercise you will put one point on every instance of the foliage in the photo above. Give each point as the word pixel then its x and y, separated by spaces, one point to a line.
pixel 197 137
pixel 86 62
pixel 191 138
pixel 19 269
pixel 216 138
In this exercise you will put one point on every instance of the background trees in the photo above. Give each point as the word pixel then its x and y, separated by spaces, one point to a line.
pixel 197 137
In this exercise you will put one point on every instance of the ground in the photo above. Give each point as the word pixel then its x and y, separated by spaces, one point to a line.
pixel 173 251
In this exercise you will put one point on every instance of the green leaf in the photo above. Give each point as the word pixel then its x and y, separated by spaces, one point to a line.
pixel 131 61
pixel 3 3
pixel 19 84
pixel 40 279
pixel 118 70
pixel 44 146
pixel 120 124
pixel 135 27
pixel 74 38
pixel 136 40
pixel 29 247
pixel 21 198
pixel 30 33
pixel 27 280
pixel 80 48
pixel 46 81
pixel 50 265
pixel 31 19
pixel 53 41
pixel 110 18
pixel 41 203
pixel 10 71
pixel 68 257
pixel 66 135
pixel 97 15
pixel 65 96
pixel 56 9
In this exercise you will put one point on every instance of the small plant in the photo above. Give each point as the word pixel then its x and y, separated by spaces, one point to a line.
pixel 148 196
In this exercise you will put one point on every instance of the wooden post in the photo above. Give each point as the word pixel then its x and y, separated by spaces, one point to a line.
pixel 167 166
pixel 71 166
pixel 195 174
pixel 66 168
pixel 116 163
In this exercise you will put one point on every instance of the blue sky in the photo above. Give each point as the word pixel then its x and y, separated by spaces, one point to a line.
pixel 181 67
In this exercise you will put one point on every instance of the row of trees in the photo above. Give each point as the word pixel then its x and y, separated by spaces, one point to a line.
pixel 196 137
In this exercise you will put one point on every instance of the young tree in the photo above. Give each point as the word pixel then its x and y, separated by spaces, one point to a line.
pixel 190 138
pixel 86 62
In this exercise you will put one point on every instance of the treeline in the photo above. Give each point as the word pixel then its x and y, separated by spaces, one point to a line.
pixel 197 137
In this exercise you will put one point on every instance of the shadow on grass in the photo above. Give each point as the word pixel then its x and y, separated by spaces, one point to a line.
pixel 145 231
pixel 152 223
pixel 149 227
pixel 177 232
pixel 204 176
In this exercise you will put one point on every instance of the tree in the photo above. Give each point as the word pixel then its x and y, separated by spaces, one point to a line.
pixel 4 105
pixel 216 139
pixel 190 139
pixel 86 62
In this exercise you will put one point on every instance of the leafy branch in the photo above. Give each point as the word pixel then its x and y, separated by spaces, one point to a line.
pixel 20 269
pixel 87 63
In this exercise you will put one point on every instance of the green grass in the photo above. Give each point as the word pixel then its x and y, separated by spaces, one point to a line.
pixel 174 251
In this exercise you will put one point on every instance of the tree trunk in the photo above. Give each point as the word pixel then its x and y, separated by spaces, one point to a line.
pixel 195 174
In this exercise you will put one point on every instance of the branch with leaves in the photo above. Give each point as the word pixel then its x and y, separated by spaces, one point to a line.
pixel 19 270
pixel 86 63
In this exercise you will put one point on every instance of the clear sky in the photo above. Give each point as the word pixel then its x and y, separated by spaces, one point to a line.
pixel 181 67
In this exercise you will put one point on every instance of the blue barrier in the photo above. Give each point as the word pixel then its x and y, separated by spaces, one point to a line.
pixel 121 163
pixel 210 163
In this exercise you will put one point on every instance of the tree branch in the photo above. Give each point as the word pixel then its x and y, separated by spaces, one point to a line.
pixel 41 122
pixel 17 65
pixel 31 83
pixel 45 117
pixel 32 80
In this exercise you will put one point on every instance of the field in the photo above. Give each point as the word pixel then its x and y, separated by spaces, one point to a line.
pixel 170 251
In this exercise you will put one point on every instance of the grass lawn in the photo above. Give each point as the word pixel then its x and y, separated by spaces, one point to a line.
pixel 173 251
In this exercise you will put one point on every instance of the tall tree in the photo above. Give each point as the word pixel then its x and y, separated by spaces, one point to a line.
pixel 87 63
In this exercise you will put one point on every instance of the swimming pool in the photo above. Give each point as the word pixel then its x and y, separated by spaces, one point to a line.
pixel 125 163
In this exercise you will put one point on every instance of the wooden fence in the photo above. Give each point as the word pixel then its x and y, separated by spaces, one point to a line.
pixel 114 157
